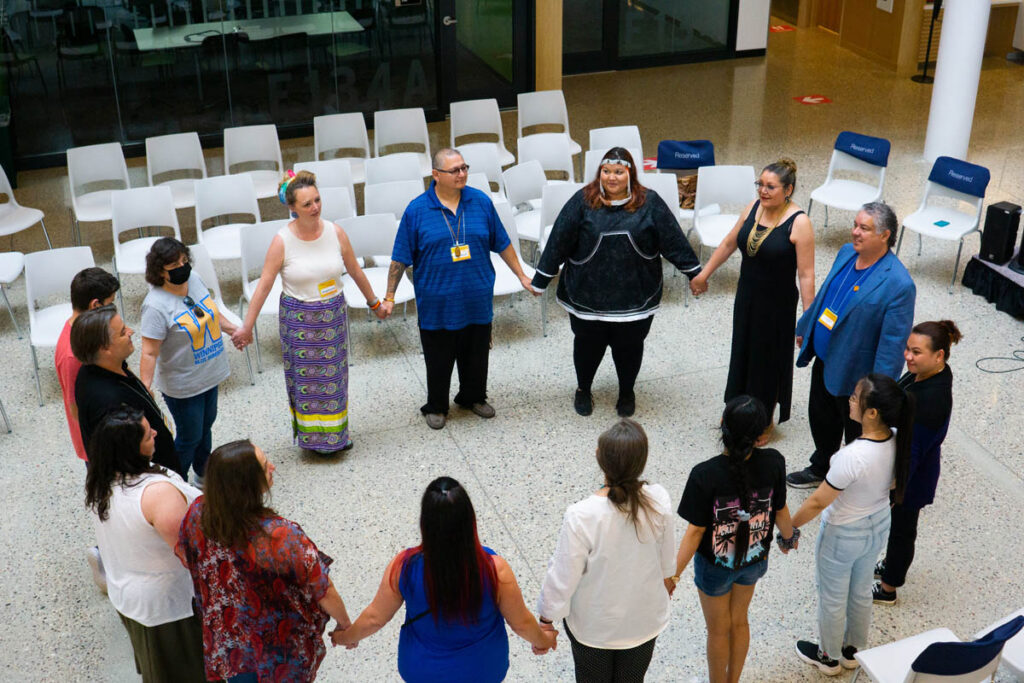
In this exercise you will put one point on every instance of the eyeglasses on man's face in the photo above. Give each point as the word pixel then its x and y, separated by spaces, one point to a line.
pixel 464 168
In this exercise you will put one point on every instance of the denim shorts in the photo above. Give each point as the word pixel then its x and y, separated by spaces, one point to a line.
pixel 714 581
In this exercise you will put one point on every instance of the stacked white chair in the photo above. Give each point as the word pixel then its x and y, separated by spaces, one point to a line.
pixel 178 153
pixel 393 167
pixel 253 244
pixel 336 203
pixel 345 133
pixel 505 281
pixel 88 166
pixel 392 198
pixel 222 196
pixel 553 198
pixel 140 207
pixel 250 145
pixel 331 173
pixel 370 235
pixel 14 217
pixel 552 150
pixel 858 155
pixel 726 186
pixel 48 274
pixel 545 108
pixel 482 157
pixel 603 139
pixel 207 273
pixel 524 187
pixel 480 117
pixel 403 127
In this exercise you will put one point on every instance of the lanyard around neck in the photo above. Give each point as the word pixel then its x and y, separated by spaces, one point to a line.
pixel 460 225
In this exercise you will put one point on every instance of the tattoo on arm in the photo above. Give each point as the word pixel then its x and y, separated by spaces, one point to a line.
pixel 395 275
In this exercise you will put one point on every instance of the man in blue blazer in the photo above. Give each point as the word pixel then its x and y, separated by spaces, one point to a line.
pixel 858 324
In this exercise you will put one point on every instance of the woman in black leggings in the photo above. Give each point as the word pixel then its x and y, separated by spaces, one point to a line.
pixel 611 236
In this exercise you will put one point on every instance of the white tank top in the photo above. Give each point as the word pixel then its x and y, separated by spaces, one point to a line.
pixel 146 581
pixel 312 270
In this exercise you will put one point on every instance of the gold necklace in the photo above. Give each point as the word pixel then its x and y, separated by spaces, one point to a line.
pixel 757 237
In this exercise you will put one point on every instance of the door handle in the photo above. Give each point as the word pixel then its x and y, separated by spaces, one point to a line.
pixel 449 21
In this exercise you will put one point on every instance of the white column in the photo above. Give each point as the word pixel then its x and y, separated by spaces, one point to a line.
pixel 957 70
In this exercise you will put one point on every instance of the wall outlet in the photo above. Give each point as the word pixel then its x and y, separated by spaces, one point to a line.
pixel 884 5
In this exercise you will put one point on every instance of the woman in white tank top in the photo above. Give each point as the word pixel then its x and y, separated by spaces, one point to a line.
pixel 139 507
pixel 311 256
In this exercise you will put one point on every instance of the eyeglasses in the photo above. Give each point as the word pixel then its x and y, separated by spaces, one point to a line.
pixel 199 312
pixel 762 186
pixel 454 171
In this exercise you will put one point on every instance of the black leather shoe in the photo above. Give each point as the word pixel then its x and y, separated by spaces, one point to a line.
pixel 583 403
pixel 626 405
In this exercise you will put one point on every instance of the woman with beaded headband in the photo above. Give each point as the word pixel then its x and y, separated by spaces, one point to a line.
pixel 610 238
pixel 311 255
pixel 776 240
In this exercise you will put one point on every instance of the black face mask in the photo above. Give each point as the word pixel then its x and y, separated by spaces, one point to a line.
pixel 179 275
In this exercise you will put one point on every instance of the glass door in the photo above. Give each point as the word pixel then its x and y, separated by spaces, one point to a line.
pixel 484 49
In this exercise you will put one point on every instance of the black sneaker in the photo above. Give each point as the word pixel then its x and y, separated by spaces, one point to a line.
pixel 879 568
pixel 583 403
pixel 804 479
pixel 846 660
pixel 810 653
pixel 626 405
pixel 880 596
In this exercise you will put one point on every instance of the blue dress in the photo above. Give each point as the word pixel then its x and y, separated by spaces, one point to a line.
pixel 430 651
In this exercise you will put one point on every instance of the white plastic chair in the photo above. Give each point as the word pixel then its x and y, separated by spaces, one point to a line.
pixel 224 196
pixel 207 273
pixel 336 203
pixel 665 185
pixel 49 273
pixel 726 186
pixel 603 139
pixel 505 281
pixel 369 235
pixel 482 157
pixel 1013 650
pixel 402 127
pixel 11 265
pixel 331 173
pixel 254 144
pixel 552 200
pixel 544 107
pixel 141 207
pixel 593 157
pixel 253 244
pixel 479 181
pixel 345 133
pixel 941 221
pixel 552 150
pixel 480 117
pixel 177 153
pixel 392 198
pixel 392 167
pixel 88 166
pixel 524 185
pixel 846 193
pixel 14 217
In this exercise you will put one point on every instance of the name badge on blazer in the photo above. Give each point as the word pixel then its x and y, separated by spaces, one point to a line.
pixel 828 318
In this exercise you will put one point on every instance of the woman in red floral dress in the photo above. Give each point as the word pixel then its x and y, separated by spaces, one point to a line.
pixel 262 584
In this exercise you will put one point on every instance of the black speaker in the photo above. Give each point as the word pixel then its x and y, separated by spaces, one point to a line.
pixel 1001 224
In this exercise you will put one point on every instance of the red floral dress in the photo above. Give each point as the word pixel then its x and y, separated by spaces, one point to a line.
pixel 258 605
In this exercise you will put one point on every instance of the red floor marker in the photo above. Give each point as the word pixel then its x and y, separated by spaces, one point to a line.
pixel 812 99
pixel 651 163
pixel 781 28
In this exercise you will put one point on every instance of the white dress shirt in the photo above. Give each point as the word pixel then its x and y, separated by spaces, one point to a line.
pixel 606 578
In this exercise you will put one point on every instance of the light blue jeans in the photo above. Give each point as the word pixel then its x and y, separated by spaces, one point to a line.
pixel 846 556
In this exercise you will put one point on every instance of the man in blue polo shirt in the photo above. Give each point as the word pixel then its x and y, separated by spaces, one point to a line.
pixel 446 235
pixel 858 324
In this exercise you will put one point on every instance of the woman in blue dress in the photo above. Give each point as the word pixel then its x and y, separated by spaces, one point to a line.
pixel 458 596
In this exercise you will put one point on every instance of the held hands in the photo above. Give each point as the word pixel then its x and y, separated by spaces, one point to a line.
pixel 670 585
pixel 241 337
pixel 799 341
pixel 385 310
pixel 551 635
pixel 698 285
pixel 526 282
pixel 338 636
pixel 787 544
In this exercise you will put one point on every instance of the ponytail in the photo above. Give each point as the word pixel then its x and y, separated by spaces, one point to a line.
pixel 743 421
pixel 895 408
pixel 622 456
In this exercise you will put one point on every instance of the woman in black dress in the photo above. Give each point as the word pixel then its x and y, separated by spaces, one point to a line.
pixel 776 240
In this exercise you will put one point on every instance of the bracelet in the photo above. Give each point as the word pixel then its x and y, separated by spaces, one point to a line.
pixel 375 305
pixel 787 544
pixel 389 297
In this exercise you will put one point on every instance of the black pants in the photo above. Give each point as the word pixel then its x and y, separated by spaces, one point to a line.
pixel 830 419
pixel 468 349
pixel 592 337
pixel 899 553
pixel 594 665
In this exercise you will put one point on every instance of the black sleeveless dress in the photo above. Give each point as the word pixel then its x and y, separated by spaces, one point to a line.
pixel 764 319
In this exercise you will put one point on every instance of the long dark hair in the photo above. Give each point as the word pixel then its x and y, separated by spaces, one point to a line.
pixel 457 571
pixel 622 456
pixel 592 195
pixel 114 457
pixel 941 333
pixel 896 410
pixel 234 495
pixel 743 421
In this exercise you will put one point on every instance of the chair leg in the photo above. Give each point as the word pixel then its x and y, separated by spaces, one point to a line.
pixel 10 310
pixel 899 239
pixel 46 234
pixel 810 203
pixel 7 421
pixel 544 314
pixel 256 339
pixel 956 265
pixel 248 364
pixel 120 297
pixel 826 216
pixel 35 368
pixel 856 675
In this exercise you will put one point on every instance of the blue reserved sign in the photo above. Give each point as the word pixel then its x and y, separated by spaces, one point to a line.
pixel 685 154
pixel 864 147
pixel 960 176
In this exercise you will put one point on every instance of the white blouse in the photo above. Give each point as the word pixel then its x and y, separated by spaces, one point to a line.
pixel 605 579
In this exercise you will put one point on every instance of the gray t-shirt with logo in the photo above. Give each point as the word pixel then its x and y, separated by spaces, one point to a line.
pixel 192 358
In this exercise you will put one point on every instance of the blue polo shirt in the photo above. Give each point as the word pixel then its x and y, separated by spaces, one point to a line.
pixel 451 294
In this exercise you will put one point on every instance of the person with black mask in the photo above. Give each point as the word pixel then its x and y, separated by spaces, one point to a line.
pixel 183 349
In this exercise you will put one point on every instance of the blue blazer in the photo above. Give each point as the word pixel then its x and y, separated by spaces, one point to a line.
pixel 871 333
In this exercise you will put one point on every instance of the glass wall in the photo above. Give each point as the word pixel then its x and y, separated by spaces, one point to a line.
pixel 124 70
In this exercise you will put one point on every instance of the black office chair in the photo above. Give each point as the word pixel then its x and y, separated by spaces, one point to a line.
pixel 12 58
pixel 80 38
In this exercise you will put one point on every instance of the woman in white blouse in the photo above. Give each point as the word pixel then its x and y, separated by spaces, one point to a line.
pixel 608 578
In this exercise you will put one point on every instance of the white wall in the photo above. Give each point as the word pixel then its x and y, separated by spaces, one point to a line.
pixel 752 25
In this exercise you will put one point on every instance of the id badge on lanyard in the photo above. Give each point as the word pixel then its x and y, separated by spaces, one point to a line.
pixel 828 318
pixel 460 252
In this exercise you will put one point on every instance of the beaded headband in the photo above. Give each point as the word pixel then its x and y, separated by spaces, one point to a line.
pixel 616 161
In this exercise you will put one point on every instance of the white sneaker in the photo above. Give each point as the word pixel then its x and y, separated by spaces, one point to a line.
pixel 99 577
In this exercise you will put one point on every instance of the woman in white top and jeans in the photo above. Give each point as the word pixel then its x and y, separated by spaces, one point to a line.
pixel 855 522
pixel 311 255
pixel 139 506
pixel 609 575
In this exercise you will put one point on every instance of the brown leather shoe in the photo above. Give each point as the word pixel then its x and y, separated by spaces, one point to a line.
pixel 483 410
pixel 435 420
